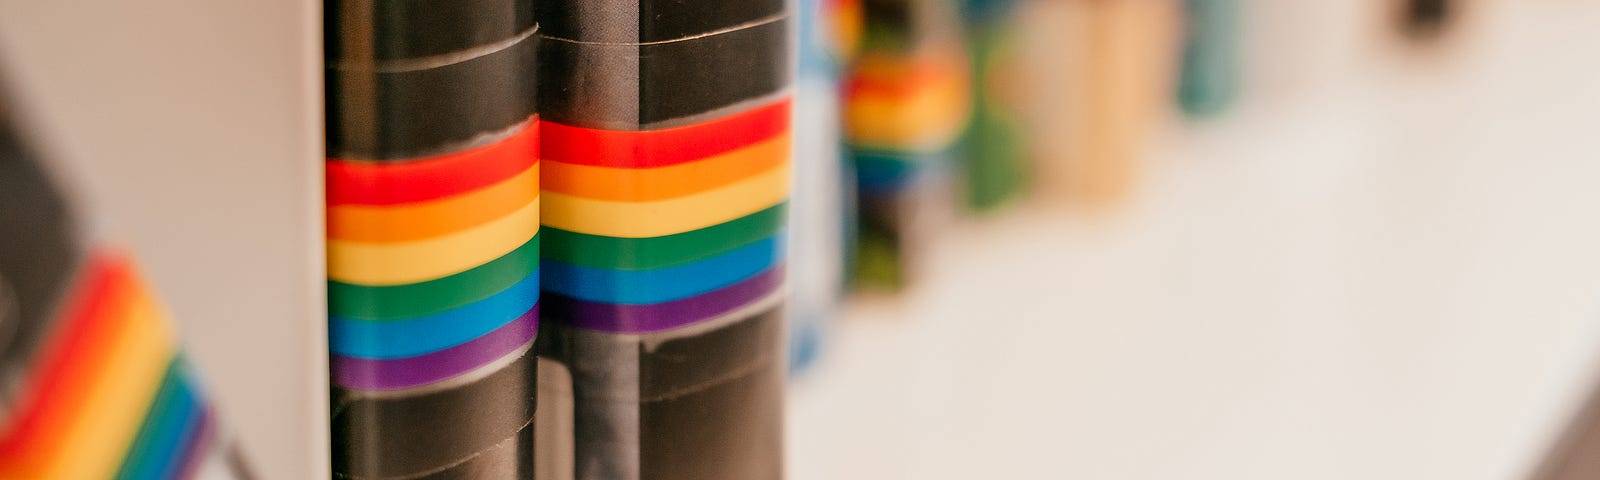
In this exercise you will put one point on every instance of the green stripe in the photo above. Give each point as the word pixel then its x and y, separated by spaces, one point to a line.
pixel 434 296
pixel 595 251
pixel 166 394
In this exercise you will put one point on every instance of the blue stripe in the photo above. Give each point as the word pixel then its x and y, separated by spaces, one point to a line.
pixel 884 171
pixel 876 169
pixel 183 449
pixel 409 337
pixel 662 284
pixel 162 453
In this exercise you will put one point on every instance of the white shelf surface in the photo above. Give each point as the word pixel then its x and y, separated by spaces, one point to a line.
pixel 1390 273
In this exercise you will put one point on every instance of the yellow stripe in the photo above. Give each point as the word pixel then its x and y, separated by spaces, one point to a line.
pixel 100 435
pixel 929 117
pixel 666 217
pixel 400 263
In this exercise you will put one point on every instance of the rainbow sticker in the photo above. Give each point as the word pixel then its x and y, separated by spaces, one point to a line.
pixel 650 230
pixel 108 395
pixel 432 263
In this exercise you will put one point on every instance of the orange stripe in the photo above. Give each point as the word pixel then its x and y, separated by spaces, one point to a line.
pixel 896 76
pixel 647 184
pixel 70 365
pixel 422 220
pixel 915 103
pixel 98 437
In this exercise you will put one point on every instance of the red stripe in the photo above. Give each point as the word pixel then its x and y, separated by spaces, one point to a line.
pixel 668 146
pixel 387 183
pixel 900 82
pixel 63 364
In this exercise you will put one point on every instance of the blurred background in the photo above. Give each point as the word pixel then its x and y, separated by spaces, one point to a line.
pixel 1118 239
pixel 1370 258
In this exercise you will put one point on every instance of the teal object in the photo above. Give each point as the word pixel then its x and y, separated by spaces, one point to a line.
pixel 1210 74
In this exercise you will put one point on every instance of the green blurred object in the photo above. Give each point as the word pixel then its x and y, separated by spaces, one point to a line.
pixel 996 157
pixel 1210 76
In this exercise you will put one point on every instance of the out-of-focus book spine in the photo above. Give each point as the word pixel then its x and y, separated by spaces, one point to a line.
pixel 1121 59
pixel 823 205
pixel 996 159
pixel 907 104
pixel 1045 40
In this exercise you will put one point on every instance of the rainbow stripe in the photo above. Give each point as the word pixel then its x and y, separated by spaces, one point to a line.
pixel 904 115
pixel 109 395
pixel 433 263
pixel 650 230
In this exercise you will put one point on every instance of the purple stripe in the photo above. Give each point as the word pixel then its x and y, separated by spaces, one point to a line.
pixel 655 317
pixel 196 445
pixel 398 373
